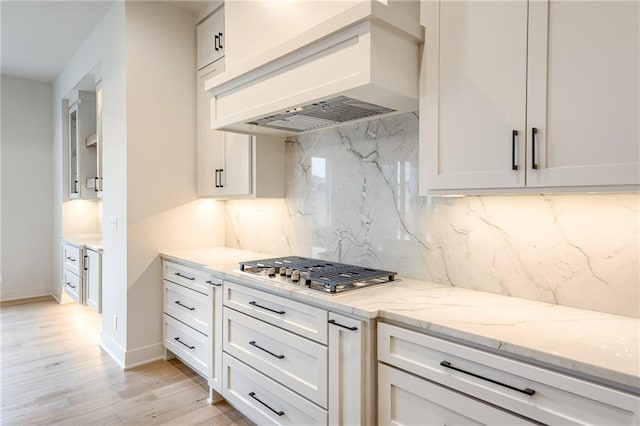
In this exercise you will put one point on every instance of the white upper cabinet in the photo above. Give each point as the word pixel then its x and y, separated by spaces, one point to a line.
pixel 82 146
pixel 231 164
pixel 529 94
pixel 211 40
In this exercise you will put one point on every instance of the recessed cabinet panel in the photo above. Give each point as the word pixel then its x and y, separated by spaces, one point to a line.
pixel 408 400
pixel 475 94
pixel 584 93
pixel 211 39
pixel 235 179
pixel 517 96
pixel 93 276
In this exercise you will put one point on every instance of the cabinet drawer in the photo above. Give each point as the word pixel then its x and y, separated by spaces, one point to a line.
pixel 72 258
pixel 404 399
pixel 73 285
pixel 188 277
pixel 189 306
pixel 294 361
pixel 265 401
pixel 557 398
pixel 191 346
pixel 293 316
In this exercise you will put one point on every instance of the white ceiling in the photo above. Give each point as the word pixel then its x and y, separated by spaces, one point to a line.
pixel 39 37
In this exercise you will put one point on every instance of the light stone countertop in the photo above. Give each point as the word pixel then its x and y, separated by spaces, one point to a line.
pixel 91 241
pixel 590 344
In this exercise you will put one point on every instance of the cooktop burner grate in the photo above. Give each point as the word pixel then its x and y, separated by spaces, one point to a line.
pixel 331 277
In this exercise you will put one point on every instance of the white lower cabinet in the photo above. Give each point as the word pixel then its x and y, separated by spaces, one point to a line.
pixel 73 285
pixel 93 279
pixel 405 399
pixel 265 400
pixel 188 344
pixel 192 320
pixel 474 375
pixel 286 362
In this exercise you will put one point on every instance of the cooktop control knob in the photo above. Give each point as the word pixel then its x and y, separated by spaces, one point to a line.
pixel 271 272
pixel 295 276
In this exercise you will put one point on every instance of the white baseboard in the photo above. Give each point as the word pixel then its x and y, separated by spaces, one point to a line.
pixel 113 349
pixel 144 355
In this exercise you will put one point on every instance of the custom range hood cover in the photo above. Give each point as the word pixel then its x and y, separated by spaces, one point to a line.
pixel 361 64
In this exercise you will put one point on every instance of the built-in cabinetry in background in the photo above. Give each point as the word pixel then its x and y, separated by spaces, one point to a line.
pixel 85 144
pixel 82 274
pixel 93 276
pixel 425 377
pixel 529 95
pixel 230 164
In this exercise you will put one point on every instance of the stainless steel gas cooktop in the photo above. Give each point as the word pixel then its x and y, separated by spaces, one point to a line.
pixel 321 275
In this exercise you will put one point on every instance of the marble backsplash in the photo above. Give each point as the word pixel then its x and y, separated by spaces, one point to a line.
pixel 352 196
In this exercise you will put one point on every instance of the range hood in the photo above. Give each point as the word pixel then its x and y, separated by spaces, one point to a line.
pixel 360 65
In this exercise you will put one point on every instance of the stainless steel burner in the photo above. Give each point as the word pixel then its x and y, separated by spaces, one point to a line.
pixel 329 277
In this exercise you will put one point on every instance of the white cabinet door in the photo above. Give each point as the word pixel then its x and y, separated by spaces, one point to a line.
pixel 530 94
pixel 584 92
pixel 82 158
pixel 210 142
pixel 346 367
pixel 215 379
pixel 235 178
pixel 404 399
pixel 210 39
pixel 473 94
pixel 93 277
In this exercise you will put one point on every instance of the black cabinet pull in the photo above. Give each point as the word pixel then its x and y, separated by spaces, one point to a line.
pixel 220 41
pixel 95 184
pixel 177 302
pixel 214 283
pixel 253 343
pixel 253 395
pixel 85 263
pixel 218 178
pixel 514 134
pixel 177 339
pixel 69 284
pixel 75 186
pixel 221 171
pixel 71 259
pixel 526 391
pixel 184 276
pixel 341 325
pixel 534 132
pixel 254 303
pixel 216 39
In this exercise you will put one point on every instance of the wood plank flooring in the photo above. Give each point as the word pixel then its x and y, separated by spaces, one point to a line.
pixel 53 372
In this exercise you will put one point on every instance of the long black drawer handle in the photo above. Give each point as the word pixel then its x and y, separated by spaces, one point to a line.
pixel 514 135
pixel 69 285
pixel 177 339
pixel 177 302
pixel 526 391
pixel 341 325
pixel 213 283
pixel 253 343
pixel 254 303
pixel 184 276
pixel 534 132
pixel 253 395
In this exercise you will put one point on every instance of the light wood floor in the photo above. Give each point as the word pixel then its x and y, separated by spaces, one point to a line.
pixel 53 372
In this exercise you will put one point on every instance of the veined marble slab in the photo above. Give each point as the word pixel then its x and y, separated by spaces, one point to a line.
pixel 352 197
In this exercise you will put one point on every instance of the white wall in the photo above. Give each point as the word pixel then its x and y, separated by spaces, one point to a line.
pixel 104 46
pixel 146 51
pixel 27 201
pixel 161 159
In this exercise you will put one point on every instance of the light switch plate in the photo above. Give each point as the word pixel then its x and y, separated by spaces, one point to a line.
pixel 113 223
